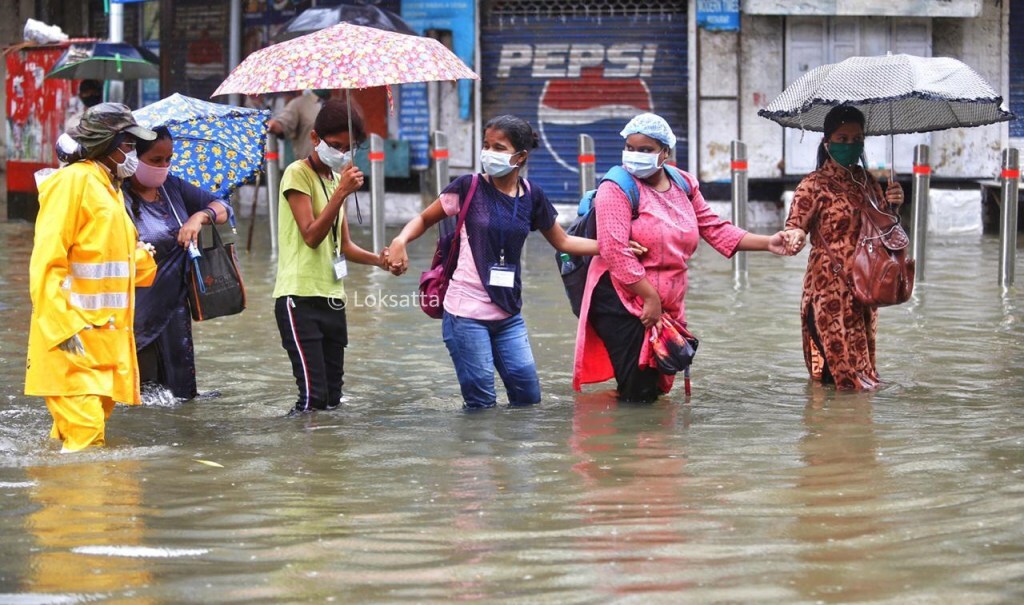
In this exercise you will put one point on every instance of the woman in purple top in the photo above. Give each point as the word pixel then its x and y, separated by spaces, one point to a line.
pixel 168 213
pixel 482 325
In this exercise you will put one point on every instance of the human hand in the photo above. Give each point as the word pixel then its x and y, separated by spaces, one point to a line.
pixel 651 314
pixel 398 258
pixel 189 231
pixel 351 180
pixel 637 249
pixel 894 193
pixel 72 346
pixel 795 240
pixel 779 244
pixel 148 247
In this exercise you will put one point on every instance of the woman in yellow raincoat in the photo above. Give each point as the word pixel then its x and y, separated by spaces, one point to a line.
pixel 86 263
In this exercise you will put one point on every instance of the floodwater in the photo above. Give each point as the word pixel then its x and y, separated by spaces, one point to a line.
pixel 760 488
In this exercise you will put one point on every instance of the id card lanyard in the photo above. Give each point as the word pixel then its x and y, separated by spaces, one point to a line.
pixel 502 275
pixel 338 262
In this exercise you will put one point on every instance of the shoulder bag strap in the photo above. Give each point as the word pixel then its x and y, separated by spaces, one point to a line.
pixel 453 253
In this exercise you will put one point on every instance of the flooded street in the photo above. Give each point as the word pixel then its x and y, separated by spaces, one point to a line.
pixel 760 488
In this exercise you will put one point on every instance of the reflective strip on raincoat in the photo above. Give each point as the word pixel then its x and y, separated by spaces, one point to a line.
pixel 82 277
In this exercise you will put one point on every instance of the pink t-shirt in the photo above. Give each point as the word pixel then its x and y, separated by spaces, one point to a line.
pixel 466 296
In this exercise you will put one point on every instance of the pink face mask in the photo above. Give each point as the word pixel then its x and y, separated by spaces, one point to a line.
pixel 151 176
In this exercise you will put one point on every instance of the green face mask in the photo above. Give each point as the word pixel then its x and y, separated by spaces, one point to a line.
pixel 846 154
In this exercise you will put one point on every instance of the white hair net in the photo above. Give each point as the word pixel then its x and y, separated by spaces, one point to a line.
pixel 651 125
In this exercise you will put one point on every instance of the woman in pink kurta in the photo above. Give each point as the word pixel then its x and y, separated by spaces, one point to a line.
pixel 625 295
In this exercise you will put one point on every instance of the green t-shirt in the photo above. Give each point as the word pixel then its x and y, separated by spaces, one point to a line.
pixel 301 270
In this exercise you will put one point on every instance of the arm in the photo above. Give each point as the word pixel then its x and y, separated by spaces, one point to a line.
pixel 355 253
pixel 431 215
pixel 570 244
pixel 55 233
pixel 775 243
pixel 801 214
pixel 315 229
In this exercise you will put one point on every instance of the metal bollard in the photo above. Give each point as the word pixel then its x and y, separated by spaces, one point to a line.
pixel 272 158
pixel 587 161
pixel 919 194
pixel 1010 177
pixel 738 150
pixel 377 190
pixel 439 154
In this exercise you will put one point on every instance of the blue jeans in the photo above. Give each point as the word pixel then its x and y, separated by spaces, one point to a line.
pixel 478 347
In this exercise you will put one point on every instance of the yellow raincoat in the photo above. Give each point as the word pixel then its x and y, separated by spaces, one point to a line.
pixel 82 277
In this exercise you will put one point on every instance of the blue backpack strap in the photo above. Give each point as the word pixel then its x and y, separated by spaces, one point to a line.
pixel 619 176
pixel 677 177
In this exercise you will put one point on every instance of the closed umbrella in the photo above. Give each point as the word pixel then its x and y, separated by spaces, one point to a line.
pixel 216 147
pixel 101 60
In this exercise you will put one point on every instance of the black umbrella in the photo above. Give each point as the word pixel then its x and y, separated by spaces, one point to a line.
pixel 105 61
pixel 315 19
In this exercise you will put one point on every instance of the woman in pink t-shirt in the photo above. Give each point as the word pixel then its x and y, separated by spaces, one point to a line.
pixel 626 295
pixel 482 324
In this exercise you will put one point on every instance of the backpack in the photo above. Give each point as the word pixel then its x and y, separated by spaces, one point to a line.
pixel 574 268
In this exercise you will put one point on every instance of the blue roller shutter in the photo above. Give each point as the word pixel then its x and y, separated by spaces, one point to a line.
pixel 1017 67
pixel 570 75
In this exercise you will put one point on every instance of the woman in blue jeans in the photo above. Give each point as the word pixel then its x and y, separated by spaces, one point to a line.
pixel 482 325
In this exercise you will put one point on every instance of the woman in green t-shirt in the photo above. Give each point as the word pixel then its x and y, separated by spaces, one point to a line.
pixel 313 249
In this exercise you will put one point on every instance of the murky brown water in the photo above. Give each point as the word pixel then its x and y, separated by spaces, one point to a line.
pixel 760 489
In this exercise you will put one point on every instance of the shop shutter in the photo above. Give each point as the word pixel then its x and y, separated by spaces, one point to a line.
pixel 1016 100
pixel 574 68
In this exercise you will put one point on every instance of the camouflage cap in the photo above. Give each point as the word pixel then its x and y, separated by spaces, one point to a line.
pixel 101 123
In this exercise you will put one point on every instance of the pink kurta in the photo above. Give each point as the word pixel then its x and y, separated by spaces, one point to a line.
pixel 669 226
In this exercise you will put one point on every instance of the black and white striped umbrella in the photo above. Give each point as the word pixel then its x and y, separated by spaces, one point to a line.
pixel 897 94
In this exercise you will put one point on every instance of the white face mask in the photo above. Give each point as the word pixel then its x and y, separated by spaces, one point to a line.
pixel 496 163
pixel 640 164
pixel 330 156
pixel 128 167
pixel 151 176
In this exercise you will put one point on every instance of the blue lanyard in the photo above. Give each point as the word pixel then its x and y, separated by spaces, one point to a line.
pixel 515 215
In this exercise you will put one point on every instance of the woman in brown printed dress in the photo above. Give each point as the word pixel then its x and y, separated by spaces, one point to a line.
pixel 838 332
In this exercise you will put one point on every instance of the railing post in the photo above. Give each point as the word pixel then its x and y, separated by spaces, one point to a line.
pixel 919 194
pixel 273 158
pixel 439 154
pixel 738 168
pixel 587 161
pixel 1010 177
pixel 377 190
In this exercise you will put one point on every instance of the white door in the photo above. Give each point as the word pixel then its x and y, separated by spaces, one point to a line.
pixel 815 41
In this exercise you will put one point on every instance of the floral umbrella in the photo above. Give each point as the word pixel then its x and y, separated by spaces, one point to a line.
pixel 216 147
pixel 343 57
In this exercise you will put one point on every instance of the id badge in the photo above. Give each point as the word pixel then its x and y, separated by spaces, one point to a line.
pixel 502 276
pixel 340 267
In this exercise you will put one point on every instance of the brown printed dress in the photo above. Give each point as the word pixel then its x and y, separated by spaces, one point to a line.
pixel 838 332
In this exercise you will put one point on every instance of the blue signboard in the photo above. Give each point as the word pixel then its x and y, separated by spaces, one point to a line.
pixel 456 16
pixel 718 15
pixel 573 76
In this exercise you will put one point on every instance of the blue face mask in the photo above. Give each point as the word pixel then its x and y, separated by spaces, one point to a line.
pixel 496 163
pixel 640 164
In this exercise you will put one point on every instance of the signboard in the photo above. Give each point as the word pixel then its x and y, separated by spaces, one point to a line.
pixel 584 75
pixel 718 15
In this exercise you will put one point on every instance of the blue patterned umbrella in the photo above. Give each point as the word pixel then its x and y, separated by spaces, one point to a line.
pixel 216 147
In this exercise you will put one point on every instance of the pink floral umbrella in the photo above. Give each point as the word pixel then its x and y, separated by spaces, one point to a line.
pixel 344 56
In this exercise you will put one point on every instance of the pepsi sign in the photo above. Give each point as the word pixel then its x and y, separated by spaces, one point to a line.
pixel 592 80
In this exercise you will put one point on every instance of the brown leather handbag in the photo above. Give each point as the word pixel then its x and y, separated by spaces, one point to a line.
pixel 881 274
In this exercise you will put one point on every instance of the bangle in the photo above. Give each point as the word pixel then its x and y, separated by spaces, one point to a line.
pixel 212 214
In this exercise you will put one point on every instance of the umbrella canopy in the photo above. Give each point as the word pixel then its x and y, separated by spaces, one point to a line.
pixel 344 56
pixel 216 147
pixel 897 94
pixel 105 61
pixel 315 19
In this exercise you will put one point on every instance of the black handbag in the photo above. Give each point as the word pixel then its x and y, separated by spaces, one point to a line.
pixel 214 282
